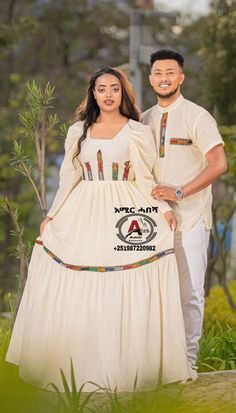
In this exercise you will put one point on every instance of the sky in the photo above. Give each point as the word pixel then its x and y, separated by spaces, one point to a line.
pixel 195 8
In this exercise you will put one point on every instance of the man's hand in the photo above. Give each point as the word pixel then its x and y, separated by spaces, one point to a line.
pixel 170 218
pixel 165 193
pixel 216 166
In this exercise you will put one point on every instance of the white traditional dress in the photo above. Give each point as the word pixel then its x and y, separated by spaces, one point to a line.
pixel 102 287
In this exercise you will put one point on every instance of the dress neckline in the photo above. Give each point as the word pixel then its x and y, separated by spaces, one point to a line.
pixel 107 139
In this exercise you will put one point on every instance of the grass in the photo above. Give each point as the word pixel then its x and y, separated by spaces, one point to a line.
pixel 19 397
pixel 217 349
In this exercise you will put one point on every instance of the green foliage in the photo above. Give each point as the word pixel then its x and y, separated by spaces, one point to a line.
pixel 73 401
pixel 218 309
pixel 217 349
pixel 28 158
pixel 38 101
pixel 63 129
pixel 5 334
pixel 223 208
pixel 6 329
pixel 20 160
pixel 219 52
pixel 229 135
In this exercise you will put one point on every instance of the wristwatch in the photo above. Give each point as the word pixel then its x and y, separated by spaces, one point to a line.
pixel 179 194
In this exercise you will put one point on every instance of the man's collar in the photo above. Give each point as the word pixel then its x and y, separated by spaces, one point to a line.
pixel 173 105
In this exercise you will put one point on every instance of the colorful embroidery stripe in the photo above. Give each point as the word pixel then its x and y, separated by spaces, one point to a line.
pixel 90 176
pixel 126 171
pixel 181 141
pixel 83 174
pixel 163 134
pixel 105 269
pixel 115 168
pixel 100 165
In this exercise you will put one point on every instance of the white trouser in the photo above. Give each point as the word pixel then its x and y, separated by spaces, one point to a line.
pixel 191 254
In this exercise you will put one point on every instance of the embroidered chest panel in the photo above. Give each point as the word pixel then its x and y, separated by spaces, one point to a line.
pixel 163 134
pixel 181 141
pixel 165 140
pixel 115 168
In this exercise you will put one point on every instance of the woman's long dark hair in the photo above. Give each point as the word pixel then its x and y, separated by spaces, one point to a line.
pixel 89 110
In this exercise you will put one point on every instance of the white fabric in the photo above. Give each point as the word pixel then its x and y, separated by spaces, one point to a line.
pixel 183 161
pixel 120 149
pixel 191 254
pixel 115 324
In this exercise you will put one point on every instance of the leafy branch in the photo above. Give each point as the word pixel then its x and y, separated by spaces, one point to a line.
pixel 18 232
pixel 36 124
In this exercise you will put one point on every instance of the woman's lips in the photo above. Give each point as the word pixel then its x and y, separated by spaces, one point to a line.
pixel 108 102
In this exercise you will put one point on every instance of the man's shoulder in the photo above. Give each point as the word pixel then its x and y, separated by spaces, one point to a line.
pixel 193 108
pixel 146 116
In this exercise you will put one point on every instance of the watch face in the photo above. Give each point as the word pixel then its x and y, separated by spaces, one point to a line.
pixel 179 193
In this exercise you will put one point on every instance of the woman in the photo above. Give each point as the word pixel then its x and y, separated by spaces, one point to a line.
pixel 103 287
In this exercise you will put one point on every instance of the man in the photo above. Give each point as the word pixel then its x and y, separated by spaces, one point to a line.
pixel 190 156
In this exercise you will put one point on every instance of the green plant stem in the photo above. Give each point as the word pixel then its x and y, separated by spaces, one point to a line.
pixel 27 174
pixel 21 250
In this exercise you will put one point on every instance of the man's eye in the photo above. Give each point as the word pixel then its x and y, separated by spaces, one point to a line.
pixel 170 73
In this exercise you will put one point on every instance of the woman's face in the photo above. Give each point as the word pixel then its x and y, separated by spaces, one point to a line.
pixel 108 92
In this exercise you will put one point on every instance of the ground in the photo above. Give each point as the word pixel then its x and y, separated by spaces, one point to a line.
pixel 216 390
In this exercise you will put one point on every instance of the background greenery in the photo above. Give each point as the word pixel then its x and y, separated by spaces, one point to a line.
pixel 63 42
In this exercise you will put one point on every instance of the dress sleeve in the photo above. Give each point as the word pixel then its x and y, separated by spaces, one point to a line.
pixel 142 156
pixel 70 174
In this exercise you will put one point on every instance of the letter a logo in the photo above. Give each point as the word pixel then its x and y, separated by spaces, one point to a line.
pixel 134 227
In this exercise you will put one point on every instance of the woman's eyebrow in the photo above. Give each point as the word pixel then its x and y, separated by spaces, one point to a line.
pixel 114 84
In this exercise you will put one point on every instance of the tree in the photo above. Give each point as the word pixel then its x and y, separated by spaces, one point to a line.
pixel 219 59
pixel 37 124
pixel 224 207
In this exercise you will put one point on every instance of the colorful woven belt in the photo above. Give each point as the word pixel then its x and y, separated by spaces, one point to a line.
pixel 105 269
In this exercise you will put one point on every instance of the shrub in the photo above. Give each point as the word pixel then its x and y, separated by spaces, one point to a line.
pixel 218 309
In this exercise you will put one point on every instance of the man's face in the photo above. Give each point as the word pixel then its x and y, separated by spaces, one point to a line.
pixel 166 77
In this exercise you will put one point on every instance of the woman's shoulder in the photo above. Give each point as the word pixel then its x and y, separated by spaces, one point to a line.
pixel 141 135
pixel 139 126
pixel 74 133
pixel 77 125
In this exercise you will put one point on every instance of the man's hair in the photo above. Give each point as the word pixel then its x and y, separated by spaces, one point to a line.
pixel 164 54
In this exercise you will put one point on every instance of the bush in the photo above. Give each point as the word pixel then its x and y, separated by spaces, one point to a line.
pixel 218 309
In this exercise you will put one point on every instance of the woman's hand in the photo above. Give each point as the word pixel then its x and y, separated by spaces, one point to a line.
pixel 43 224
pixel 170 218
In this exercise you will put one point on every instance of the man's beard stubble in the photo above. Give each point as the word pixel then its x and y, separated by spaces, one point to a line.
pixel 169 95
